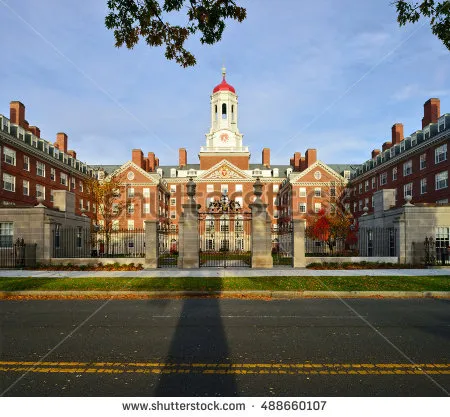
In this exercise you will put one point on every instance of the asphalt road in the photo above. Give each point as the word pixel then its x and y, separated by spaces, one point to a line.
pixel 201 347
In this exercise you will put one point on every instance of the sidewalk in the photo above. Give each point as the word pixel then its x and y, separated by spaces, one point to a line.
pixel 222 273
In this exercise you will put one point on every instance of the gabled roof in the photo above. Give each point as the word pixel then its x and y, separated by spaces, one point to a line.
pixel 224 170
pixel 296 176
pixel 151 176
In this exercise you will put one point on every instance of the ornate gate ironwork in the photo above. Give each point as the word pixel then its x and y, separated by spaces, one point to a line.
pixel 167 245
pixel 225 235
pixel 283 244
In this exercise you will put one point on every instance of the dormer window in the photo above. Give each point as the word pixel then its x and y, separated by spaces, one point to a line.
pixel 402 146
pixel 257 172
pixel 192 172
pixel 173 172
pixel 347 175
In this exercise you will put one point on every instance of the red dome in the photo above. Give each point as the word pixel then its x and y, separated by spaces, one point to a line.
pixel 224 86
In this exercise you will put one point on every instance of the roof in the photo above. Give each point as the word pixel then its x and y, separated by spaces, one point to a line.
pixel 340 168
pixel 224 86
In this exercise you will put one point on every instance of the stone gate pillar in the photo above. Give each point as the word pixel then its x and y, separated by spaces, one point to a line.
pixel 261 235
pixel 298 240
pixel 188 236
pixel 151 244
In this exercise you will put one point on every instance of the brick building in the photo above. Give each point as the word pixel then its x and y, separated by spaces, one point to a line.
pixel 158 191
pixel 32 167
pixel 415 166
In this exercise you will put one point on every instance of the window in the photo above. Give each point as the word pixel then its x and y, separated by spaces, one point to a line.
pixel 6 234
pixel 130 192
pixel 52 196
pixel 81 204
pixel 130 208
pixel 238 188
pixel 407 189
pixel 146 208
pixel 210 188
pixel 94 208
pixel 441 180
pixel 88 205
pixel 40 191
pixel 347 175
pixel 115 225
pixel 366 185
pixel 275 188
pixel 423 186
pixel 40 169
pixel 317 207
pixel 146 191
pixel 333 192
pixel 360 205
pixel 9 156
pixel 394 173
pixel 130 224
pixel 63 178
pixel 173 214
pixel 9 182
pixel 407 168
pixel 26 187
pixel 26 163
pixel 173 188
pixel 173 201
pixel 72 183
pixel 423 161
pixel 383 178
pixel 302 208
pixel 115 208
pixel 354 207
pixel 374 182
pixel 317 192
pixel 302 192
pixel 52 174
pixel 224 188
pixel 81 186
pixel 440 153
pixel 372 202
pixel 360 188
pixel 366 202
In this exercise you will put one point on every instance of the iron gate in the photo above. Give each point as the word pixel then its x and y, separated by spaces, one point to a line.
pixel 167 245
pixel 225 239
pixel 283 244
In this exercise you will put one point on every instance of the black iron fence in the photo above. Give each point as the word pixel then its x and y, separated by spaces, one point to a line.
pixel 282 244
pixel 377 241
pixel 78 242
pixel 322 243
pixel 168 247
pixel 13 255
pixel 437 251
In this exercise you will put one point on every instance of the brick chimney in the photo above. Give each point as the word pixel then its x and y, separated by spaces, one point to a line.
pixel 375 153
pixel 310 157
pixel 386 145
pixel 151 162
pixel 138 158
pixel 297 160
pixel 302 163
pixel 35 131
pixel 73 154
pixel 397 134
pixel 17 113
pixel 61 142
pixel 431 111
pixel 266 157
pixel 182 157
pixel 157 162
pixel 291 162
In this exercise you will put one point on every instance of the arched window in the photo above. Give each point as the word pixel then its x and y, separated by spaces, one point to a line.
pixel 215 113
pixel 224 111
pixel 232 112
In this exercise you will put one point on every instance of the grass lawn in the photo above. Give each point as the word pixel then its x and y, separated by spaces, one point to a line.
pixel 360 283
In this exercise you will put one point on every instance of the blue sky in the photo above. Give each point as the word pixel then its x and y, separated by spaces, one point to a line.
pixel 332 75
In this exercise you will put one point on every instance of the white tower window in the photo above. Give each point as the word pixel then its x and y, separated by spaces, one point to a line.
pixel 224 111
pixel 215 113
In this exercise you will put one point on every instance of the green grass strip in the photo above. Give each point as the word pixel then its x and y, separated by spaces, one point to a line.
pixel 337 283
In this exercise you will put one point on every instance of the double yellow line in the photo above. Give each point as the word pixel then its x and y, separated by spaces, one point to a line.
pixel 227 368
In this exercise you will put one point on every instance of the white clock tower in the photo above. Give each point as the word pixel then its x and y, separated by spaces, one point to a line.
pixel 224 134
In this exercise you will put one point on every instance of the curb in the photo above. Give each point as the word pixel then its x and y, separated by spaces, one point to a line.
pixel 226 294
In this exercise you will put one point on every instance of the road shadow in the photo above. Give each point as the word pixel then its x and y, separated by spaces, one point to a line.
pixel 199 338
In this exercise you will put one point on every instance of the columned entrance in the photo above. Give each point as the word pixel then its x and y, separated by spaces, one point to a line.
pixel 225 239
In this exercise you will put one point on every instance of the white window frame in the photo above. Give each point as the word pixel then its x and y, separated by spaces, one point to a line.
pixel 383 178
pixel 9 179
pixel 238 188
pixel 440 154
pixel 146 208
pixel 63 178
pixel 407 168
pixel 26 187
pixel 130 192
pixel 9 156
pixel 26 163
pixel 423 186
pixel 302 208
pixel 317 192
pixel 40 191
pixel 302 192
pixel 40 169
pixel 408 189
pixel 423 161
pixel 209 188
pixel 146 192
pixel 438 180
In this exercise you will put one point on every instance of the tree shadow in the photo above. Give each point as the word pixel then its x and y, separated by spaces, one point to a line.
pixel 198 360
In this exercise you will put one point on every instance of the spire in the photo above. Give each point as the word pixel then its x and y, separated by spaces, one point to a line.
pixel 224 71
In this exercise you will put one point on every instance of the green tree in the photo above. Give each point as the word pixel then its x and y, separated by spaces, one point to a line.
pixel 437 11
pixel 148 19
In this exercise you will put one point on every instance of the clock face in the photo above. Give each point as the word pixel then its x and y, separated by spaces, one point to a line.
pixel 224 137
